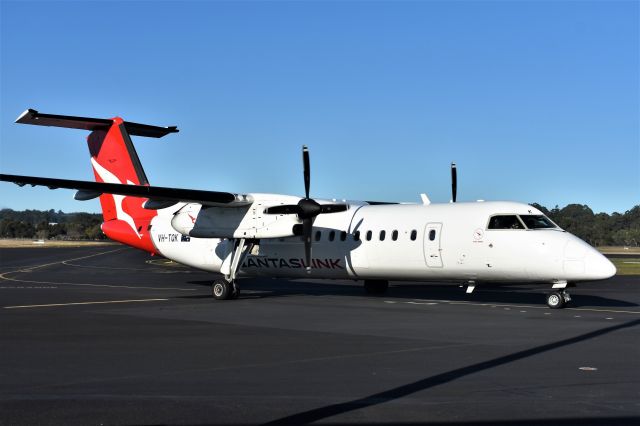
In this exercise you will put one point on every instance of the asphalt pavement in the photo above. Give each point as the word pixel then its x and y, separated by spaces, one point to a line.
pixel 109 335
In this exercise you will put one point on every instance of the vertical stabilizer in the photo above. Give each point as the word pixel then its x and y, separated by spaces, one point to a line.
pixel 114 160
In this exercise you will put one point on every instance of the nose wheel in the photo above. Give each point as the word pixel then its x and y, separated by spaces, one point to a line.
pixel 558 299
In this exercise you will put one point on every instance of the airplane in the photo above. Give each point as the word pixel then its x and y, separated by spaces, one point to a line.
pixel 284 236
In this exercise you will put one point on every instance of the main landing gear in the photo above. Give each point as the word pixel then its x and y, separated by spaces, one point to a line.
pixel 222 289
pixel 227 288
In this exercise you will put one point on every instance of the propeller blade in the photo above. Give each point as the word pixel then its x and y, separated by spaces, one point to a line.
pixel 307 229
pixel 333 208
pixel 307 170
pixel 283 209
pixel 454 182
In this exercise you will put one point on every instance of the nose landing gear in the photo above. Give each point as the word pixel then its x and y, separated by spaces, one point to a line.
pixel 558 299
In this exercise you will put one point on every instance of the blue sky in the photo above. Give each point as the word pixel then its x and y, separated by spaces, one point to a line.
pixel 535 101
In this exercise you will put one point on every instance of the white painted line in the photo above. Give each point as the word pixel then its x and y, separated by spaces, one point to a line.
pixel 451 302
pixel 421 303
pixel 84 303
pixel 95 285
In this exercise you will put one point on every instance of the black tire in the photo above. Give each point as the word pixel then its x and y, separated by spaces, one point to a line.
pixel 555 300
pixel 376 286
pixel 221 289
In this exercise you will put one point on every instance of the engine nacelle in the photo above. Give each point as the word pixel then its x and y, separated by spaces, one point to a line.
pixel 200 221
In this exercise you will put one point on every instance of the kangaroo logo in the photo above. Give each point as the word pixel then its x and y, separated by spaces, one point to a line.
pixel 109 177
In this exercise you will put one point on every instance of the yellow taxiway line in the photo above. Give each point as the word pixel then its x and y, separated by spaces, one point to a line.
pixel 84 303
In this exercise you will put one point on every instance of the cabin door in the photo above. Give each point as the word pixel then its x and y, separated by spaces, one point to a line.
pixel 432 248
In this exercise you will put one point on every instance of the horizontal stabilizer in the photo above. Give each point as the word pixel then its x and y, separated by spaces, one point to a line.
pixel 31 116
pixel 165 194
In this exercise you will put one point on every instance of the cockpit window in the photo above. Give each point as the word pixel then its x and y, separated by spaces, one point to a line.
pixel 505 222
pixel 537 221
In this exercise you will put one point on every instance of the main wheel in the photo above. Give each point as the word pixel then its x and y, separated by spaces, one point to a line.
pixel 376 286
pixel 555 300
pixel 222 289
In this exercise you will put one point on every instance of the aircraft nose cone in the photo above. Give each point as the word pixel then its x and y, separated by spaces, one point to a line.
pixel 599 267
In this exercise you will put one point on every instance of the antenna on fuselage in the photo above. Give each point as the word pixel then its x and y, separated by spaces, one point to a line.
pixel 454 182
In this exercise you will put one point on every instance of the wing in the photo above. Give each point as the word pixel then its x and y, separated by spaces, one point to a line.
pixel 158 196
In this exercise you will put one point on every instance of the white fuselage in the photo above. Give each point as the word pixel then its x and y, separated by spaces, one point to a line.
pixel 396 242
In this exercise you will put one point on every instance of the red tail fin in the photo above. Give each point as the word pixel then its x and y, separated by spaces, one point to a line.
pixel 114 160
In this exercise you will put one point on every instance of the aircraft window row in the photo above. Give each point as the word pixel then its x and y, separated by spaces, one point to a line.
pixel 531 221
pixel 369 235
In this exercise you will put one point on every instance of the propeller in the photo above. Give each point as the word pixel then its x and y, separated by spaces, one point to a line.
pixel 454 182
pixel 307 208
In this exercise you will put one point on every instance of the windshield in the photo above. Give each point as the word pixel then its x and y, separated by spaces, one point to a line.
pixel 505 222
pixel 537 221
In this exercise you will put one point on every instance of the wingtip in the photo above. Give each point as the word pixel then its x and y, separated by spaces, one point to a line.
pixel 28 112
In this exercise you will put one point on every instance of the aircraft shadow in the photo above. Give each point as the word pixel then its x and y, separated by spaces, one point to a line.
pixel 328 411
pixel 490 293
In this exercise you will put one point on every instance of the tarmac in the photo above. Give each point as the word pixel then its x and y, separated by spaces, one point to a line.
pixel 109 335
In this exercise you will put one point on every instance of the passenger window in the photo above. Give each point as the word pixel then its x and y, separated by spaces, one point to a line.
pixel 343 235
pixel 414 235
pixel 394 235
pixel 332 235
pixel 432 235
pixel 383 234
pixel 356 236
pixel 505 222
pixel 318 235
pixel 369 235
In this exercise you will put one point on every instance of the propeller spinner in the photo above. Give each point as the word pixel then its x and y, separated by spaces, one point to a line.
pixel 307 208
